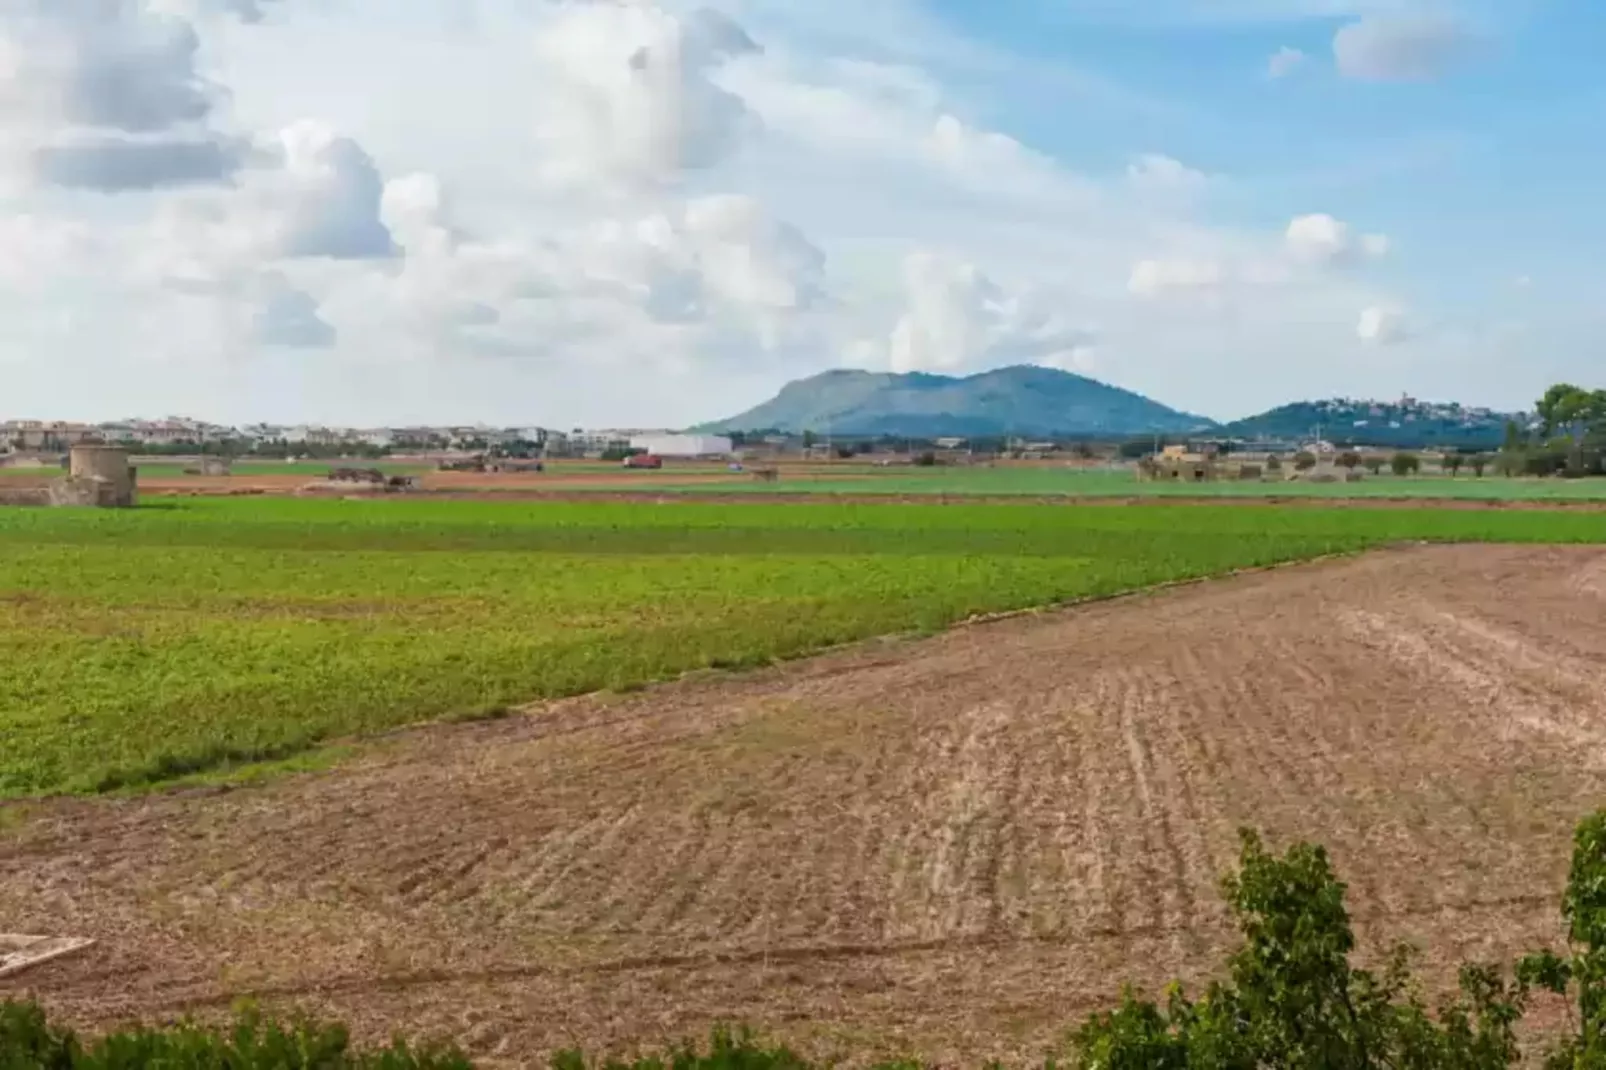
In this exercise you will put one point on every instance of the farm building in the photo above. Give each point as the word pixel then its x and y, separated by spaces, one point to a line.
pixel 668 445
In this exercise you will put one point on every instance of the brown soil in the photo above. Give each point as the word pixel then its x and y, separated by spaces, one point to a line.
pixel 951 847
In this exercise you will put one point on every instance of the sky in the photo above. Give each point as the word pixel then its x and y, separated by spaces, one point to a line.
pixel 656 212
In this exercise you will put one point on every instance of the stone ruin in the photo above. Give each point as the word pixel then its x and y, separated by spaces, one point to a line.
pixel 98 476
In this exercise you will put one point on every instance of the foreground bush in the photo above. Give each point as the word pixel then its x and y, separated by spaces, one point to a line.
pixel 28 1041
pixel 1290 1000
pixel 1293 1000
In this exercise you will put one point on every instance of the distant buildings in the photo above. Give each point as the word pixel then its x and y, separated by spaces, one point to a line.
pixel 673 445
pixel 177 433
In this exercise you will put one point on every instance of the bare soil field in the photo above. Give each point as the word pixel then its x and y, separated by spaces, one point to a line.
pixel 952 847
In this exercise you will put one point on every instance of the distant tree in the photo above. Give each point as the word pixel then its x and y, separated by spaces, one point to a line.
pixel 1405 464
pixel 1349 459
pixel 1304 461
pixel 1274 463
pixel 809 439
pixel 844 453
pixel 1134 448
pixel 1513 439
pixel 1570 409
pixel 1478 462
pixel 1452 462
pixel 1374 463
pixel 926 459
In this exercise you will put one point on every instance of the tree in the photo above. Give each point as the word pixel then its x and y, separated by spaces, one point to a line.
pixel 1514 440
pixel 1349 459
pixel 809 438
pixel 1304 461
pixel 1291 999
pixel 1478 462
pixel 1405 464
pixel 1452 462
pixel 1583 971
pixel 1374 464
pixel 1570 409
pixel 1274 463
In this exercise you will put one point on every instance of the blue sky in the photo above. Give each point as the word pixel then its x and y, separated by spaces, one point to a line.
pixel 654 212
pixel 1491 166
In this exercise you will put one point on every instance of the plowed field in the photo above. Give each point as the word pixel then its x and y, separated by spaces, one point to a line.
pixel 952 847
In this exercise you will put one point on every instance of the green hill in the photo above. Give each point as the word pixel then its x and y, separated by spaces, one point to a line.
pixel 1404 423
pixel 1024 400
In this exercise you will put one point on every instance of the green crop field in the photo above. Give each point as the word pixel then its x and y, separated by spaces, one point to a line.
pixel 196 635
pixel 1069 482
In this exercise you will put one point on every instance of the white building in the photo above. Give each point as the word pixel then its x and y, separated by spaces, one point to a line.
pixel 668 445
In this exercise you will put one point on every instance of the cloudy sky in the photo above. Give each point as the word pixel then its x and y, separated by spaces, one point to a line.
pixel 657 212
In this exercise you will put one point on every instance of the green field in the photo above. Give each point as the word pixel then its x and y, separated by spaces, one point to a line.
pixel 195 635
pixel 1051 482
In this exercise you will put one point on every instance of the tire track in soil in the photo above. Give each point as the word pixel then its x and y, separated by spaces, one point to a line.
pixel 1167 801
pixel 804 954
pixel 1148 896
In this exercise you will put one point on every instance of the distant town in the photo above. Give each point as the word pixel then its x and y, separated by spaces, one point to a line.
pixel 176 433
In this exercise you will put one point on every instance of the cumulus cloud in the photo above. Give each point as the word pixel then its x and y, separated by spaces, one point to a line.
pixel 108 96
pixel 957 318
pixel 328 197
pixel 1381 325
pixel 1156 278
pixel 289 317
pixel 719 255
pixel 632 99
pixel 1322 240
pixel 1161 175
pixel 1401 48
pixel 113 164
pixel 1285 61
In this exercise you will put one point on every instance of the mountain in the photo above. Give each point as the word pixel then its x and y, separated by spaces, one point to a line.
pixel 1403 423
pixel 1024 400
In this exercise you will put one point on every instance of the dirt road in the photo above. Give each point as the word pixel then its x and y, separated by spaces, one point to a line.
pixel 952 847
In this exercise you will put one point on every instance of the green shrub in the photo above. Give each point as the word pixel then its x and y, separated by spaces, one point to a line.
pixel 1292 999
pixel 29 1042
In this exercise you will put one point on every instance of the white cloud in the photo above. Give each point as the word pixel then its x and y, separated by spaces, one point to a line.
pixel 1320 239
pixel 1155 278
pixel 289 317
pixel 1161 175
pixel 1285 61
pixel 630 98
pixel 1401 48
pixel 107 96
pixel 957 319
pixel 1381 325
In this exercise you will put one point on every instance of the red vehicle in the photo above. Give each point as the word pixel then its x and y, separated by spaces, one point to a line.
pixel 643 460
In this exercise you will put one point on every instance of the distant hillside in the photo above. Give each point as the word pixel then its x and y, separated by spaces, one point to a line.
pixel 1406 422
pixel 1024 400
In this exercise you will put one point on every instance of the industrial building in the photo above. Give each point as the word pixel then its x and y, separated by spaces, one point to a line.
pixel 671 445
